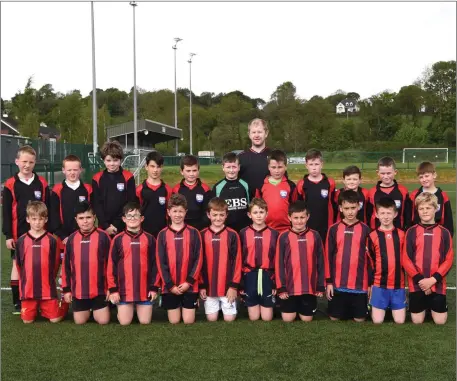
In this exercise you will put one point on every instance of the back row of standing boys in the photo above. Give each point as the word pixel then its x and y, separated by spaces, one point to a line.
pixel 256 233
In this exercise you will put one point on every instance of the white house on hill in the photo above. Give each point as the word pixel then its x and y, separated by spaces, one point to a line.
pixel 347 105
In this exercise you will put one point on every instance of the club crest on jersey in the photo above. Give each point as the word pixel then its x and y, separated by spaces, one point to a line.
pixel 199 197
pixel 360 205
pixel 439 208
pixel 324 193
pixel 38 195
pixel 120 187
pixel 162 200
pixel 398 204
pixel 389 236
pixel 283 193
pixel 82 198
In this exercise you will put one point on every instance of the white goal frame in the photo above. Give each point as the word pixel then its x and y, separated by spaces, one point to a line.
pixel 419 149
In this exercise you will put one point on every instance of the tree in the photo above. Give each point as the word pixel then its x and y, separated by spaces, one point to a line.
pixel 409 101
pixel 409 134
pixel 284 92
pixel 353 95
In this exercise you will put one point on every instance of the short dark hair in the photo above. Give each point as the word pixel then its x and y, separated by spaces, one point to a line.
pixel 259 202
pixel 230 157
pixel 386 161
pixel 83 207
pixel 298 207
pixel 156 157
pixel 425 167
pixel 189 161
pixel 218 204
pixel 131 205
pixel 177 199
pixel 349 196
pixel 113 149
pixel 385 202
pixel 71 158
pixel 313 154
pixel 352 170
pixel 278 155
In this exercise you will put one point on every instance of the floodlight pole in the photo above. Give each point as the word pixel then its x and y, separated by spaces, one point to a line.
pixel 135 116
pixel 94 87
pixel 190 102
pixel 175 48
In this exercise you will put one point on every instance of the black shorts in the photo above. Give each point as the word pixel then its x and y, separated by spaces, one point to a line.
pixel 348 305
pixel 419 302
pixel 187 300
pixel 93 304
pixel 305 304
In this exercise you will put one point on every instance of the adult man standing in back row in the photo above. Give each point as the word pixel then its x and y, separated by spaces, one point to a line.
pixel 254 161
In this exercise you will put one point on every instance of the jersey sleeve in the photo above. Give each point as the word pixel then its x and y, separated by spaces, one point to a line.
pixel 448 222
pixel 55 223
pixel 113 260
pixel 196 258
pixel 320 261
pixel 66 271
pixel 7 213
pixel 409 252
pixel 235 261
pixel 131 189
pixel 447 254
pixel 371 254
pixel 407 212
pixel 162 261
pixel 154 277
pixel 330 251
pixel 280 269
pixel 98 204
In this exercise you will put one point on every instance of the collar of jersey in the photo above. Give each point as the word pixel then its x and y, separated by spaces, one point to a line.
pixel 378 185
pixel 34 175
pixel 133 235
pixel 87 234
pixel 38 238
pixel 197 182
pixel 267 180
pixel 428 226
pixel 324 177
pixel 219 232
pixel 301 233
pixel 258 231
pixel 350 226
pixel 178 231
pixel 250 149
pixel 153 187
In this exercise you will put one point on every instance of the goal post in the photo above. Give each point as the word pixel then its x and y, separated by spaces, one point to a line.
pixel 416 155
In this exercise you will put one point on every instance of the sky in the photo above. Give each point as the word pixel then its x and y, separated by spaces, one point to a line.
pixel 250 47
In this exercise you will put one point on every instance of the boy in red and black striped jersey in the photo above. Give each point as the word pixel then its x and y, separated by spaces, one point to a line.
pixel 352 178
pixel 278 192
pixel 195 191
pixel 347 262
pixel 385 245
pixel 318 191
pixel 112 189
pixel 179 260
pixel 153 195
pixel 427 258
pixel 299 267
pixel 258 243
pixel 84 268
pixel 426 173
pixel 23 187
pixel 37 261
pixel 133 280
pixel 387 186
pixel 221 270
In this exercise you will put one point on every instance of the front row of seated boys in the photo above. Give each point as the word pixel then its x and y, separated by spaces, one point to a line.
pixel 354 268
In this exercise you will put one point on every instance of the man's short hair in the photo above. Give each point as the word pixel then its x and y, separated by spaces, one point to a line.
pixel 131 205
pixel 352 170
pixel 386 161
pixel 278 156
pixel 217 204
pixel 83 207
pixel 298 207
pixel 189 161
pixel 426 198
pixel 177 199
pixel 425 167
pixel 313 154
pixel 25 149
pixel 230 157
pixel 259 202
pixel 37 208
pixel 113 149
pixel 386 202
pixel 258 122
pixel 350 196
pixel 72 158
pixel 156 157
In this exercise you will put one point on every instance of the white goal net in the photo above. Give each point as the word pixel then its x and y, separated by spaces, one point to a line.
pixel 417 155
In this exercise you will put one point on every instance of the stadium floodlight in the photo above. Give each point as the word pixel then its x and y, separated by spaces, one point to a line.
pixel 437 155
pixel 94 86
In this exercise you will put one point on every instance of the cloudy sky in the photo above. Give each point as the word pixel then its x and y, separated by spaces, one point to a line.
pixel 252 47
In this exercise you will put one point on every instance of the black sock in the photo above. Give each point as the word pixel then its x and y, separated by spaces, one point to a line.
pixel 15 290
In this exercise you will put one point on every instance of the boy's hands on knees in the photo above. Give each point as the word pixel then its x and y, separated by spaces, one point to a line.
pixel 369 293
pixel 329 291
pixel 183 287
pixel 319 294
pixel 203 294
pixel 115 298
pixel 10 244
pixel 67 297
pixel 426 283
pixel 152 295
pixel 428 292
pixel 231 295
pixel 175 290
pixel 273 292
pixel 284 295
pixel 107 296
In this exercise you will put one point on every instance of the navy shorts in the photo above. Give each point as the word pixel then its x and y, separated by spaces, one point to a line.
pixel 252 297
pixel 93 304
pixel 419 302
pixel 384 298
pixel 348 305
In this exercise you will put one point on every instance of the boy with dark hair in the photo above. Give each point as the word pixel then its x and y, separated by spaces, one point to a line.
pixel 112 189
pixel 299 267
pixel 387 284
pixel 235 192
pixel 37 261
pixel 221 270
pixel 179 260
pixel 278 191
pixel 352 178
pixel 258 243
pixel 84 268
pixel 318 191
pixel 427 258
pixel 426 173
pixel 153 195
pixel 133 280
pixel 23 187
pixel 388 186
pixel 195 191
pixel 347 263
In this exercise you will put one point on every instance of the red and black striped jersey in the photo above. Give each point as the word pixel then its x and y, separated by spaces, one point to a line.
pixel 132 269
pixel 278 198
pixel 37 261
pixel 299 265
pixel 386 250
pixel 400 195
pixel 85 262
pixel 197 196
pixel 346 257
pixel 153 200
pixel 363 203
pixel 443 215
pixel 221 268
pixel 16 195
pixel 110 192
pixel 179 257
pixel 62 211
pixel 320 198
pixel 428 252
